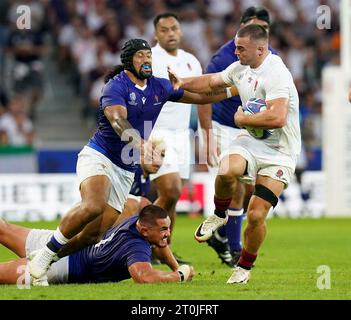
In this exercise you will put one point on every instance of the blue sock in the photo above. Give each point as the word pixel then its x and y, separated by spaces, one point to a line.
pixel 57 241
pixel 221 231
pixel 233 228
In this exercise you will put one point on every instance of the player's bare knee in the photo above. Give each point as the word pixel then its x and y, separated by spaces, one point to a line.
pixel 232 165
pixel 91 210
pixel 256 216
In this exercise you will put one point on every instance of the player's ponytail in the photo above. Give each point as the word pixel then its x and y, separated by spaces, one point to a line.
pixel 113 72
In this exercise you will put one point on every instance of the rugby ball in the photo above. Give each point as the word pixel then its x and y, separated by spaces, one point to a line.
pixel 252 106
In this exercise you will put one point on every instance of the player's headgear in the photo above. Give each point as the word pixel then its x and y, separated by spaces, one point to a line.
pixel 129 49
pixel 255 12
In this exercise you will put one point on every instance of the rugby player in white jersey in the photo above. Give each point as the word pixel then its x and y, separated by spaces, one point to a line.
pixel 172 125
pixel 269 163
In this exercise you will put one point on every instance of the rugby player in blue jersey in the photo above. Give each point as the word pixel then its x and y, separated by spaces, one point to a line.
pixel 123 253
pixel 129 106
pixel 217 121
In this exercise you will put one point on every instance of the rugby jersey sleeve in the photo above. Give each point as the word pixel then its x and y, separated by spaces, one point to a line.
pixel 113 93
pixel 228 75
pixel 139 251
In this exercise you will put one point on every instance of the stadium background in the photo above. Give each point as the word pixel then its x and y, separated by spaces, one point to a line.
pixel 48 109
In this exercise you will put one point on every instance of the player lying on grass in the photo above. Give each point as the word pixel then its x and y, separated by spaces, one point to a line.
pixel 124 252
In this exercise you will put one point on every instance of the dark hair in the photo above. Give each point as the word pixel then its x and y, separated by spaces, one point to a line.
pixel 150 213
pixel 255 12
pixel 254 31
pixel 113 72
pixel 164 15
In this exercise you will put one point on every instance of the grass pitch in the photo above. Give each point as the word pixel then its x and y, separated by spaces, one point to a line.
pixel 287 267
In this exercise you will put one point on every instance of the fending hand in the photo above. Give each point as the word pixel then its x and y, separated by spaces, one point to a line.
pixel 175 80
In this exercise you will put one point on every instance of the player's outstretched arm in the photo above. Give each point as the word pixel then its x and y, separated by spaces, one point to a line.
pixel 117 116
pixel 199 84
pixel 166 256
pixel 209 97
pixel 143 272
pixel 151 156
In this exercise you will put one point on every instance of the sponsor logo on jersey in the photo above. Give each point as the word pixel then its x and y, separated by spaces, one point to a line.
pixel 132 99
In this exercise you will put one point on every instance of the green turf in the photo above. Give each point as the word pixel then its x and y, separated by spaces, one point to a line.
pixel 286 267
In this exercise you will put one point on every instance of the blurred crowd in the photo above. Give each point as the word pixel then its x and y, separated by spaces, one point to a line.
pixel 84 37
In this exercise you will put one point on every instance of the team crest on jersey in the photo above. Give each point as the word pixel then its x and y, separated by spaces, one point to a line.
pixel 240 76
pixel 250 79
pixel 279 173
pixel 132 99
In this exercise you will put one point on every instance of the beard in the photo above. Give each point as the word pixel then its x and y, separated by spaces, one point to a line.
pixel 145 74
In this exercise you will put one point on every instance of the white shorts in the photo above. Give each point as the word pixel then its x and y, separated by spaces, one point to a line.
pixel 58 271
pixel 92 163
pixel 177 157
pixel 225 135
pixel 262 160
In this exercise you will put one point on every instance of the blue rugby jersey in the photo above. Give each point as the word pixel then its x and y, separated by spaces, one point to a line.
pixel 143 104
pixel 109 259
pixel 223 112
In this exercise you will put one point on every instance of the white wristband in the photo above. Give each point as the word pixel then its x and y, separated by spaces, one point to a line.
pixel 229 93
pixel 184 272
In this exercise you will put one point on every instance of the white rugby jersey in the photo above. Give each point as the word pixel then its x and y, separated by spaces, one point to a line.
pixel 271 80
pixel 174 115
